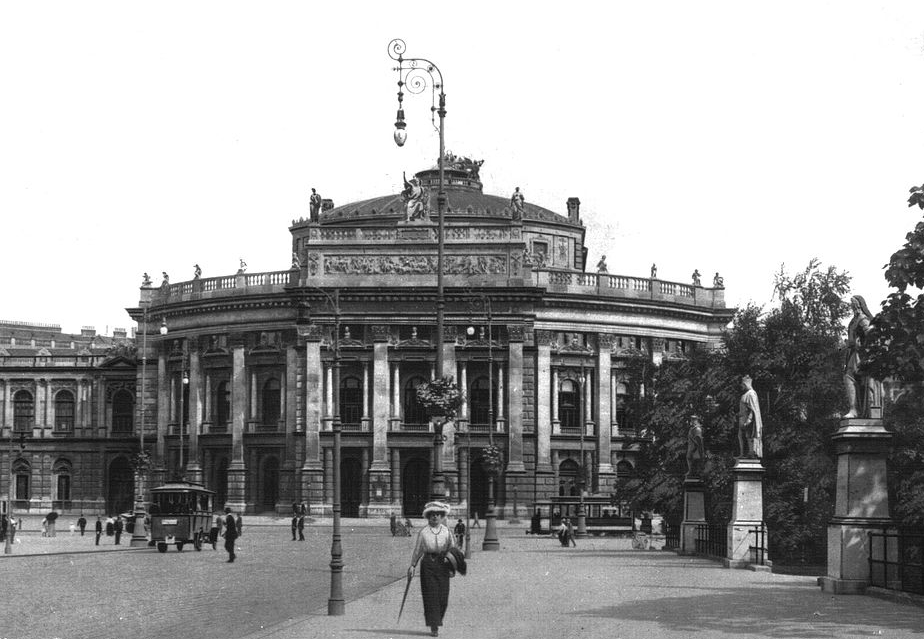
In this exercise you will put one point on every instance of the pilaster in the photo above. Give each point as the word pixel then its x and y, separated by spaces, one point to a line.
pixel 543 397
pixel 515 397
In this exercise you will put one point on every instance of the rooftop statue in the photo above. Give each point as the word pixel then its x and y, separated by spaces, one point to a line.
pixel 750 425
pixel 601 265
pixel 718 281
pixel 462 163
pixel 166 282
pixel 314 206
pixel 697 279
pixel 654 271
pixel 145 280
pixel 243 267
pixel 197 272
pixel 416 200
pixel 517 202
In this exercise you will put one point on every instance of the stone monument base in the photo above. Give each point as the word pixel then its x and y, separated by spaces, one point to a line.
pixel 747 515
pixel 694 513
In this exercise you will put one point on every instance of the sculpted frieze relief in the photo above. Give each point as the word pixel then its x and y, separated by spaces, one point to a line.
pixel 413 264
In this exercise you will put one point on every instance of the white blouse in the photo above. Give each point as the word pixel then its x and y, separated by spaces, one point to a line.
pixel 431 540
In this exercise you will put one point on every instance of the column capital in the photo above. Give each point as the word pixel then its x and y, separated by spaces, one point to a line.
pixel 516 332
pixel 309 333
pixel 605 341
pixel 237 340
pixel 544 338
pixel 381 333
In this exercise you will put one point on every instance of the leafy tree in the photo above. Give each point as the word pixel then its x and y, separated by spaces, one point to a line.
pixel 792 354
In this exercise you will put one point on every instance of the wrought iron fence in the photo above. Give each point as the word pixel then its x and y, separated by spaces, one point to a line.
pixel 712 540
pixel 671 535
pixel 896 560
pixel 758 550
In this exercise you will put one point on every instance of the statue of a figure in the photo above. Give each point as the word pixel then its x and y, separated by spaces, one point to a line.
pixel 166 282
pixel 750 425
pixel 314 206
pixel 197 272
pixel 718 281
pixel 145 280
pixel 696 451
pixel 517 202
pixel 697 279
pixel 243 267
pixel 416 203
pixel 862 394
pixel 296 263
pixel 601 265
pixel 654 271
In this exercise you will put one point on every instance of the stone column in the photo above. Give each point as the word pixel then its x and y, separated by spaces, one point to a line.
pixel 556 423
pixel 328 504
pixel 365 421
pixel 614 422
pixel 606 476
pixel 515 400
pixel 396 479
pixel 193 466
pixel 501 413
pixel 450 469
pixel 396 397
pixel 379 471
pixel 747 513
pixel 328 395
pixel 237 469
pixel 288 485
pixel 463 385
pixel 543 421
pixel 208 401
pixel 861 504
pixel 312 472
pixel 163 418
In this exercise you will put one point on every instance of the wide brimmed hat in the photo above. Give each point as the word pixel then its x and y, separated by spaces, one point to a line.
pixel 456 560
pixel 436 507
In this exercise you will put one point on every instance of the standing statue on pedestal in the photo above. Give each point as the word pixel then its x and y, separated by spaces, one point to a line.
pixel 696 451
pixel 863 394
pixel 314 206
pixel 416 200
pixel 750 425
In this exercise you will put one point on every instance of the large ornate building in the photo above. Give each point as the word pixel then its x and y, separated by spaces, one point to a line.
pixel 244 374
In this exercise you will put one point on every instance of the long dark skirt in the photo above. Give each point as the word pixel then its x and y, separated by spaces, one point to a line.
pixel 434 586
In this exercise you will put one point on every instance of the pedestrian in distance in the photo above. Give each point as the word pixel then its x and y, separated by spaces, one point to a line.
pixel 459 532
pixel 433 543
pixel 239 524
pixel 230 533
pixel 82 524
pixel 44 528
pixel 217 521
pixel 563 533
pixel 571 532
pixel 301 528
pixel 117 527
pixel 393 524
pixel 99 529
pixel 475 522
pixel 110 526
pixel 294 525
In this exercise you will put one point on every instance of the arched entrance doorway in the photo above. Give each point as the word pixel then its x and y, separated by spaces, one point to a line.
pixel 415 486
pixel 120 496
pixel 479 504
pixel 270 484
pixel 351 486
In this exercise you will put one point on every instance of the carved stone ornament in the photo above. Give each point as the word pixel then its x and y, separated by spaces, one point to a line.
pixel 516 332
pixel 544 338
pixel 381 333
pixel 413 264
pixel 312 262
pixel 606 341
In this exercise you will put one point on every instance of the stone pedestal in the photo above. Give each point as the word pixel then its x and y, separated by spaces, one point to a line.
pixel 747 512
pixel 694 513
pixel 380 501
pixel 237 483
pixel 861 505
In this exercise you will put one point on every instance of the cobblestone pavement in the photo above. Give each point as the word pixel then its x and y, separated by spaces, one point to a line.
pixel 143 593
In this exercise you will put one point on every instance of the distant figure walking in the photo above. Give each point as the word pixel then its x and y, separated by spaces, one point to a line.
pixel 393 524
pixel 459 532
pixel 118 527
pixel 301 528
pixel 99 529
pixel 230 534
pixel 82 524
pixel 217 522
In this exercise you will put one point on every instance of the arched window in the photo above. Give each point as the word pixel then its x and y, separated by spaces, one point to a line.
pixel 414 412
pixel 351 401
pixel 123 409
pixel 569 397
pixel 64 411
pixel 481 395
pixel 23 412
pixel 22 471
pixel 223 403
pixel 271 399
pixel 623 470
pixel 568 472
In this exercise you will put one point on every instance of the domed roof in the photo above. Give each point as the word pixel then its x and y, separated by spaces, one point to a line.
pixel 464 197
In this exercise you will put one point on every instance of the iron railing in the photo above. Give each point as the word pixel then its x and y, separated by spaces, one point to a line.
pixel 896 560
pixel 711 540
pixel 671 536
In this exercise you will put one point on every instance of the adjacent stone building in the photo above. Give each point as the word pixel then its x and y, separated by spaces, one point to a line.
pixel 245 369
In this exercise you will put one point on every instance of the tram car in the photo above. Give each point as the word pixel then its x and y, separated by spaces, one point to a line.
pixel 181 513
pixel 603 516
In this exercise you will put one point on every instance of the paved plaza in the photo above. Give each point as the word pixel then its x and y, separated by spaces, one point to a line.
pixel 533 587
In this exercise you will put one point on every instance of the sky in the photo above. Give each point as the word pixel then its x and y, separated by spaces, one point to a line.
pixel 726 137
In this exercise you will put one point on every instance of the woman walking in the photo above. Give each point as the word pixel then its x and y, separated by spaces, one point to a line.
pixel 433 542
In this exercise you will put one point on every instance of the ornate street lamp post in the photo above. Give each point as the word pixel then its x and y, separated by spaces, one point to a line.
pixel 413 74
pixel 582 514
pixel 335 603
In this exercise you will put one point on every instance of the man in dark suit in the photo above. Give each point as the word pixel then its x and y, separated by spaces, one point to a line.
pixel 230 533
pixel 301 528
pixel 118 529
pixel 99 529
